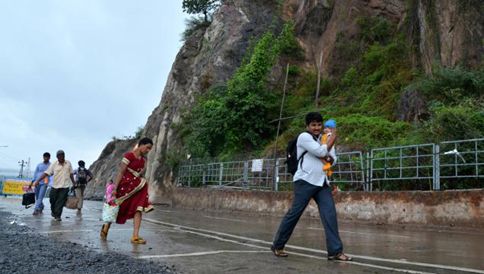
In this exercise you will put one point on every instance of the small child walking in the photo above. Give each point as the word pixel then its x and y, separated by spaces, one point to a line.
pixel 110 209
pixel 108 196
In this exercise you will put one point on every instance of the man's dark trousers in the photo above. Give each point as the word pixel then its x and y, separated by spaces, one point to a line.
pixel 303 192
pixel 58 198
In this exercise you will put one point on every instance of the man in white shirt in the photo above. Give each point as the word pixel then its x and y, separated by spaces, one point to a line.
pixel 63 180
pixel 310 181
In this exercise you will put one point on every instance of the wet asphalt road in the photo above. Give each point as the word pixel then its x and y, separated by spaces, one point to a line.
pixel 25 251
pixel 189 241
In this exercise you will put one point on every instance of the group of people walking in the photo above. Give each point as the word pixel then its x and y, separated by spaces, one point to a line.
pixel 60 177
pixel 130 191
pixel 315 156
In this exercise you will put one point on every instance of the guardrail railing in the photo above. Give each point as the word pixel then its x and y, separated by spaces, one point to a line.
pixel 451 160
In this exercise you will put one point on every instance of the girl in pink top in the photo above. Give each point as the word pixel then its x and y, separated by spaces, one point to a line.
pixel 110 187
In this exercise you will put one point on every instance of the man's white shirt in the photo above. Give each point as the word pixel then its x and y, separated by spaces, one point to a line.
pixel 62 174
pixel 311 169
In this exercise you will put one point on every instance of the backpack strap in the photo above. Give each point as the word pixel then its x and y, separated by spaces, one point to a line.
pixel 304 153
pixel 302 158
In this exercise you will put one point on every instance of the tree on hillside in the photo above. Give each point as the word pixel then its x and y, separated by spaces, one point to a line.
pixel 200 6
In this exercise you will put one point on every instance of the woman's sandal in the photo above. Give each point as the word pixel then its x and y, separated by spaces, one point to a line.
pixel 138 240
pixel 104 231
pixel 340 257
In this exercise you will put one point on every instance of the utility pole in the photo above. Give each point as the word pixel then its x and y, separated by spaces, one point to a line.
pixel 28 168
pixel 276 165
pixel 22 164
pixel 318 84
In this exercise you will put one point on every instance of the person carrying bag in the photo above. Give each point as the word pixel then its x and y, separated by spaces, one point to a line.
pixel 72 200
pixel 131 191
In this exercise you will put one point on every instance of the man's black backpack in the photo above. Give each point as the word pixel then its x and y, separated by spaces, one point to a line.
pixel 291 156
pixel 82 175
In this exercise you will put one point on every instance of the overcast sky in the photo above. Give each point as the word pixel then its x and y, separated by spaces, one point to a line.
pixel 75 73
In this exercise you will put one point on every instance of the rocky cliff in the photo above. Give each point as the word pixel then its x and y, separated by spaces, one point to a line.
pixel 445 32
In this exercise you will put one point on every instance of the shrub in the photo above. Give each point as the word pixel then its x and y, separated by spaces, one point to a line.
pixel 452 85
pixel 193 24
pixel 359 131
pixel 456 122
pixel 375 29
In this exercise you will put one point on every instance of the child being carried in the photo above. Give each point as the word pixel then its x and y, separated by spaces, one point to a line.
pixel 327 160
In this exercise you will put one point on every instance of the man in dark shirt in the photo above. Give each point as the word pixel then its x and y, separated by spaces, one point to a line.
pixel 83 176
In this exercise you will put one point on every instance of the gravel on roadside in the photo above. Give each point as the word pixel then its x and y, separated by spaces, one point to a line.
pixel 24 251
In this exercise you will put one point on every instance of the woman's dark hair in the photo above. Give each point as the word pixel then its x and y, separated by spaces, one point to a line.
pixel 145 141
pixel 81 163
pixel 313 117
pixel 47 154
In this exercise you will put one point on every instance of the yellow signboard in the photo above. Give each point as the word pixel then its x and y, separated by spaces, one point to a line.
pixel 15 186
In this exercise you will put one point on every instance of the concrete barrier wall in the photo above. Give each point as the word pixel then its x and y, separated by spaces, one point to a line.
pixel 447 208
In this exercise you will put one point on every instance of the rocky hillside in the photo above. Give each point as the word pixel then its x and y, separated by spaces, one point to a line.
pixel 445 32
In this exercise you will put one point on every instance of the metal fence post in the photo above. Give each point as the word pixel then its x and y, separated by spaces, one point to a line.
pixel 369 169
pixel 204 174
pixel 365 169
pixel 436 168
pixel 276 175
pixel 190 175
pixel 246 173
pixel 476 159
pixel 221 174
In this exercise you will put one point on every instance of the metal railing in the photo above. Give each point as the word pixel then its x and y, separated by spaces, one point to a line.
pixel 264 174
pixel 451 160
pixel 462 159
pixel 414 162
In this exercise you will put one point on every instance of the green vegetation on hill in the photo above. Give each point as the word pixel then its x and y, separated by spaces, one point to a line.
pixel 232 119
pixel 376 75
pixel 456 104
pixel 372 81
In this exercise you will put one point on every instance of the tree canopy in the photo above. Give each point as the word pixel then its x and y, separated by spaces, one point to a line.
pixel 200 6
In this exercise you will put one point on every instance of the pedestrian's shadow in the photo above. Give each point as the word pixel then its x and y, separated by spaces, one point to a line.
pixel 104 245
pixel 78 219
pixel 135 249
pixel 53 222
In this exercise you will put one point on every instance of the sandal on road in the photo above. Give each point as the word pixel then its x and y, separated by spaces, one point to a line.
pixel 104 231
pixel 138 240
pixel 340 257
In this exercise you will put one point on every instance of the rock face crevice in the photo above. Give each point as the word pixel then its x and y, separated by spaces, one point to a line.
pixel 445 32
pixel 450 32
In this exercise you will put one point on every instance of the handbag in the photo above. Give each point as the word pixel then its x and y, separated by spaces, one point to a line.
pixel 110 212
pixel 28 199
pixel 72 200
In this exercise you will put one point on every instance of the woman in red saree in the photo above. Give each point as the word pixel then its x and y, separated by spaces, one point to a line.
pixel 131 190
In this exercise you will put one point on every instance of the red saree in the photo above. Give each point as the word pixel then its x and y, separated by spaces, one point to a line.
pixel 132 189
